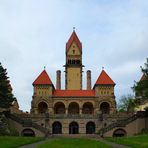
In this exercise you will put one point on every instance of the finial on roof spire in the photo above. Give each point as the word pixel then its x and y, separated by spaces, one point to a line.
pixel 44 67
pixel 102 68
pixel 74 28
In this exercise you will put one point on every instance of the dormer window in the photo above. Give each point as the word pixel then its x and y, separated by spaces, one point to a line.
pixel 73 51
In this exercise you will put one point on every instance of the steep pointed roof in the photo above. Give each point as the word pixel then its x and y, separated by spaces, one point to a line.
pixel 104 79
pixel 43 78
pixel 73 38
pixel 143 77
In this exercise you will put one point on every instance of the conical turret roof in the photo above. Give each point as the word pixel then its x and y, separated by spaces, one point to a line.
pixel 43 78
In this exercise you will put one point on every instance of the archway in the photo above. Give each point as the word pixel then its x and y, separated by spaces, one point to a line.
pixel 57 128
pixel 105 108
pixel 73 108
pixel 87 108
pixel 73 128
pixel 42 107
pixel 119 133
pixel 59 108
pixel 90 128
pixel 28 133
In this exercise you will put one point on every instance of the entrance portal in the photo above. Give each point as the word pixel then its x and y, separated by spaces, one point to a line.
pixel 90 128
pixel 73 128
pixel 28 132
pixel 56 128
pixel 119 133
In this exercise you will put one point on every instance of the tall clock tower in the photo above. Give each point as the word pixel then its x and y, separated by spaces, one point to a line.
pixel 73 67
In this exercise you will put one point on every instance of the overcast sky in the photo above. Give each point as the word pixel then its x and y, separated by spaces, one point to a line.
pixel 33 34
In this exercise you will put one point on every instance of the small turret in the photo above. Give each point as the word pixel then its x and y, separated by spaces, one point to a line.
pixel 104 85
pixel 43 86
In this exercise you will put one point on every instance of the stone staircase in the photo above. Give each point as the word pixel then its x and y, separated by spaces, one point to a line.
pixel 121 123
pixel 27 122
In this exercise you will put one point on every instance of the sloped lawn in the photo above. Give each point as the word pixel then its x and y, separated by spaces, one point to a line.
pixel 139 141
pixel 14 142
pixel 73 143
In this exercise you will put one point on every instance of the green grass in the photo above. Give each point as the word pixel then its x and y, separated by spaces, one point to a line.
pixel 139 141
pixel 13 142
pixel 73 143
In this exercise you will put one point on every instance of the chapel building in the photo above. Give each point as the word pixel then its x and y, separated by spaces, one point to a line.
pixel 72 110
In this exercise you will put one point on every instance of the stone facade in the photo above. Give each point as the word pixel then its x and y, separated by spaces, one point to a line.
pixel 72 110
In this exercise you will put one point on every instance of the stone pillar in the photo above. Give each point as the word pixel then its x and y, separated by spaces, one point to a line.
pixel 88 80
pixel 58 80
pixel 66 111
pixel 80 111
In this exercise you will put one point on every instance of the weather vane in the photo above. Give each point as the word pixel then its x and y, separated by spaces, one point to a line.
pixel 44 67
pixel 102 68
pixel 74 28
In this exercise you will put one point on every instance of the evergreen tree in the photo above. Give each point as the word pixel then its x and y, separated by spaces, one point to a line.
pixel 6 96
pixel 141 87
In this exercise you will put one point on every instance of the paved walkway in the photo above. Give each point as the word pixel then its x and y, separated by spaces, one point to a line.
pixel 113 145
pixel 33 145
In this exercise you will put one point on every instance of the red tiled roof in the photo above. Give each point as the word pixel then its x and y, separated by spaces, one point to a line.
pixel 74 93
pixel 73 38
pixel 43 78
pixel 104 79
pixel 143 77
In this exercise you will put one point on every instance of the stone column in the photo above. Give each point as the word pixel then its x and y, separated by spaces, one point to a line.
pixel 80 111
pixel 66 111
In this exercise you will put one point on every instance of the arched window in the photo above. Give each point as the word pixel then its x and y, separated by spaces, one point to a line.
pixel 73 128
pixel 42 107
pixel 59 108
pixel 105 108
pixel 28 132
pixel 57 128
pixel 87 108
pixel 119 133
pixel 90 128
pixel 73 108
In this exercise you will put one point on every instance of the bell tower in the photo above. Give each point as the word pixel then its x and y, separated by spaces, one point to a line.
pixel 73 66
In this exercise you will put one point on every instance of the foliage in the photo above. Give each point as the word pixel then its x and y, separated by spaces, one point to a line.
pixel 13 131
pixel 6 96
pixel 139 141
pixel 73 143
pixel 126 104
pixel 4 126
pixel 144 131
pixel 141 88
pixel 13 142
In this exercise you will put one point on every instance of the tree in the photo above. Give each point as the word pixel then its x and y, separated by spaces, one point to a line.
pixel 6 96
pixel 126 104
pixel 141 88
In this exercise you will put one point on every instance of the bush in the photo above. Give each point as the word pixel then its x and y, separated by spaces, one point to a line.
pixel 4 131
pixel 144 131
pixel 13 132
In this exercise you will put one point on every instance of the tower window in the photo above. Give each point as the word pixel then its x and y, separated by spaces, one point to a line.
pixel 73 51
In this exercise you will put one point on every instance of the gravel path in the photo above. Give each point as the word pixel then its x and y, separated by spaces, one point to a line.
pixel 33 145
pixel 113 145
